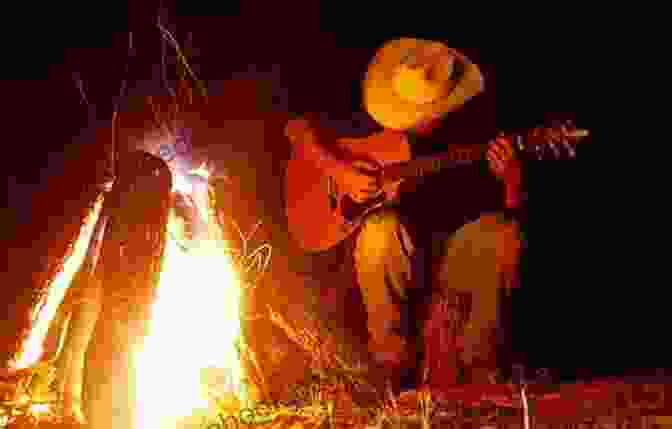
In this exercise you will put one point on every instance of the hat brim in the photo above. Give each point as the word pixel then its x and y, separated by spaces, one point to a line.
pixel 391 111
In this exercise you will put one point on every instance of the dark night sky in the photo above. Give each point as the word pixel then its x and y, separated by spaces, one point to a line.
pixel 536 68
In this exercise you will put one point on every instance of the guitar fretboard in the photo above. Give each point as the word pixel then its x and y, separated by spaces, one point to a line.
pixel 536 141
pixel 458 155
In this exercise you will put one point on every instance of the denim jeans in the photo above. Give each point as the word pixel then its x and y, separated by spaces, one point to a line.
pixel 479 258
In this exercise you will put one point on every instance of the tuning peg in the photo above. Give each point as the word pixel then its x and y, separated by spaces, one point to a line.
pixel 570 149
pixel 554 148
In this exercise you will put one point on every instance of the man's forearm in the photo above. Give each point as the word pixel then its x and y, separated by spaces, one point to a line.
pixel 306 136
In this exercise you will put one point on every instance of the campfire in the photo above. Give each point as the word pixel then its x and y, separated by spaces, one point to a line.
pixel 194 369
pixel 195 325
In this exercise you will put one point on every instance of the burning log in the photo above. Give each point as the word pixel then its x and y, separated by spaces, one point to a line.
pixel 142 245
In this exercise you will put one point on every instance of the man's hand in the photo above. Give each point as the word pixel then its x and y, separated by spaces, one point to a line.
pixel 506 167
pixel 503 162
pixel 360 180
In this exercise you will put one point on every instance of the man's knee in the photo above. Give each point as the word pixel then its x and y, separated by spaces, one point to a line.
pixel 480 250
pixel 386 228
pixel 383 235
pixel 491 232
pixel 505 239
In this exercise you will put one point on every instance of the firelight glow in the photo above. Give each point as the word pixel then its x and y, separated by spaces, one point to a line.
pixel 195 321
pixel 33 347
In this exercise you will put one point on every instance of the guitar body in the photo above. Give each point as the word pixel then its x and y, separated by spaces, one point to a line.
pixel 315 207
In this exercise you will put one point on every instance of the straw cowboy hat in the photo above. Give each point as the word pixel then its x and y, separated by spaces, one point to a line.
pixel 410 81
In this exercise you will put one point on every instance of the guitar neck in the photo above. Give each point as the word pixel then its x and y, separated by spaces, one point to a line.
pixel 419 167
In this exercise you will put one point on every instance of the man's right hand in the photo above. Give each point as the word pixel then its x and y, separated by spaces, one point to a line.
pixel 359 180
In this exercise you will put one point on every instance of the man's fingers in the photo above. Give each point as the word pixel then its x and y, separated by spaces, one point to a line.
pixel 371 184
pixel 368 191
pixel 371 190
pixel 366 166
pixel 499 148
pixel 496 165
pixel 494 158
pixel 505 147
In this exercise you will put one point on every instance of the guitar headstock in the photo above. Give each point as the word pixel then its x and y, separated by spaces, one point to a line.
pixel 559 141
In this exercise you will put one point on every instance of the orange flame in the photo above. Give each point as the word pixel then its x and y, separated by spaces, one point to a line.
pixel 195 324
pixel 32 348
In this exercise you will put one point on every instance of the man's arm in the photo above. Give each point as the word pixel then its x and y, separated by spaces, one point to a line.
pixel 308 139
pixel 513 193
pixel 304 132
pixel 507 168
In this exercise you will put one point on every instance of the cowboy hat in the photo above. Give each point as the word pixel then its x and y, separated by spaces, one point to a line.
pixel 410 81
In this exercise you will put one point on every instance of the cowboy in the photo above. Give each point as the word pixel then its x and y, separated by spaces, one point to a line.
pixel 410 85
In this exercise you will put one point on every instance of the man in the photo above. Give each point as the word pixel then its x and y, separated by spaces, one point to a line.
pixel 410 85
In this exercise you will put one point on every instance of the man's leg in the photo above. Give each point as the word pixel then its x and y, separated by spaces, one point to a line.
pixel 480 258
pixel 383 266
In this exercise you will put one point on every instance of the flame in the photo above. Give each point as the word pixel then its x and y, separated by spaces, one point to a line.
pixel 202 171
pixel 195 322
pixel 40 408
pixel 32 348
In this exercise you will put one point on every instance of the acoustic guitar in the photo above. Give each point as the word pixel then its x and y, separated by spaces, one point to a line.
pixel 320 215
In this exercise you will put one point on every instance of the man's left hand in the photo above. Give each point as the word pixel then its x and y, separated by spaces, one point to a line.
pixel 506 166
pixel 503 162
